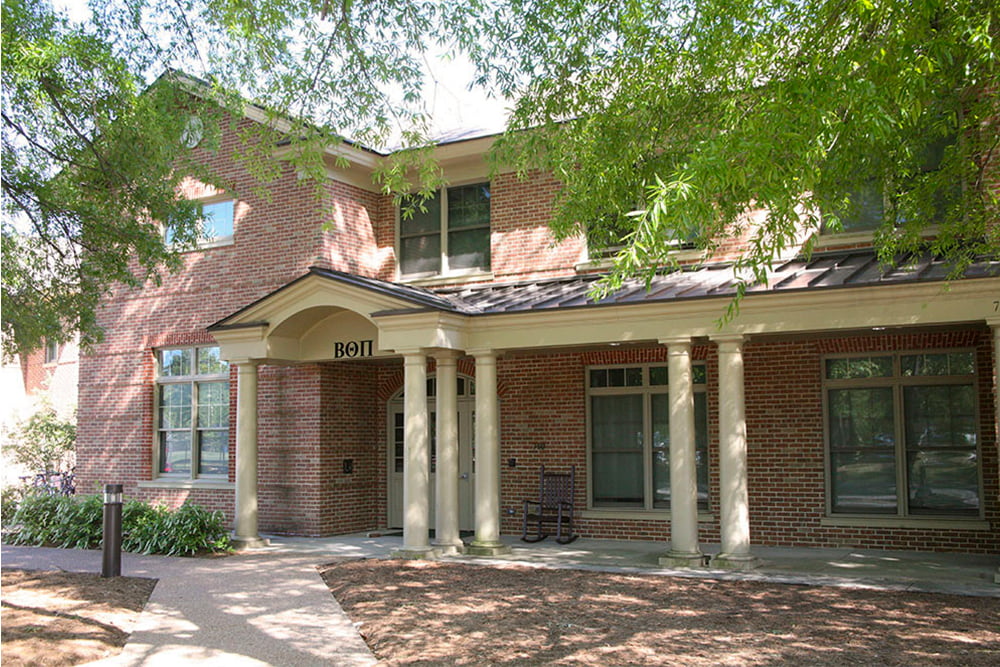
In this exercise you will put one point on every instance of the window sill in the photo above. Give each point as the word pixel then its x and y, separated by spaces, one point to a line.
pixel 639 515
pixel 208 245
pixel 823 241
pixel 449 279
pixel 683 256
pixel 168 483
pixel 904 522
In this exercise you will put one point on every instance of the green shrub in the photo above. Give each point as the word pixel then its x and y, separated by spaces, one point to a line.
pixel 10 499
pixel 76 522
pixel 193 529
pixel 142 527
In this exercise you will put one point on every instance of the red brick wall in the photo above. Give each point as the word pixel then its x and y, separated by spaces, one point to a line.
pixel 543 422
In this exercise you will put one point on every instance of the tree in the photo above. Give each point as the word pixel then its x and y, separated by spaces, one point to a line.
pixel 671 121
pixel 666 121
pixel 96 129
pixel 44 441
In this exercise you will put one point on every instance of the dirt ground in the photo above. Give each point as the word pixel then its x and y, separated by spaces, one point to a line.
pixel 433 613
pixel 67 618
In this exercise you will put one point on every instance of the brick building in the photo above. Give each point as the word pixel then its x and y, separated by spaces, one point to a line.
pixel 321 367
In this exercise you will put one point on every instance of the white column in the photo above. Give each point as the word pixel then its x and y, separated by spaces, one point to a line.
pixel 995 325
pixel 684 551
pixel 487 541
pixel 416 458
pixel 245 535
pixel 734 508
pixel 446 535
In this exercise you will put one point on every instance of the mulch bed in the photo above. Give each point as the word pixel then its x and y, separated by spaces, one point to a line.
pixel 67 618
pixel 433 613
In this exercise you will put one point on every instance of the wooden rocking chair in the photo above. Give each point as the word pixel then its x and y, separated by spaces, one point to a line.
pixel 554 506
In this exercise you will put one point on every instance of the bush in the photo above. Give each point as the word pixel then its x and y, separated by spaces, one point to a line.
pixel 10 498
pixel 76 522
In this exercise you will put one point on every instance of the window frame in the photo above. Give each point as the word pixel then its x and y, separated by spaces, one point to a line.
pixel 443 233
pixel 898 383
pixel 194 379
pixel 646 390
pixel 216 241
pixel 51 352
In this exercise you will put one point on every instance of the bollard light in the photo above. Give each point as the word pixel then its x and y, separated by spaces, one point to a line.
pixel 112 543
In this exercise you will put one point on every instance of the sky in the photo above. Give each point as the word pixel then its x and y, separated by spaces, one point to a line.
pixel 453 107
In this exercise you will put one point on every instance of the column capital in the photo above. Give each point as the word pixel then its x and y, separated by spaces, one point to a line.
pixel 675 341
pixel 245 363
pixel 994 323
pixel 484 354
pixel 728 338
pixel 446 357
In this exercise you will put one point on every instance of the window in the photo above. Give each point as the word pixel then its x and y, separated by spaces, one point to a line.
pixel 51 351
pixel 450 235
pixel 864 206
pixel 217 223
pixel 192 420
pixel 902 434
pixel 630 436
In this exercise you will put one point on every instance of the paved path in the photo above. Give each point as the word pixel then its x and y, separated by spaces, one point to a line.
pixel 268 608
pixel 272 607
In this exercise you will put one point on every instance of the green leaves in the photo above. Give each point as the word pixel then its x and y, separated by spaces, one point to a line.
pixel 74 522
pixel 42 442
pixel 746 120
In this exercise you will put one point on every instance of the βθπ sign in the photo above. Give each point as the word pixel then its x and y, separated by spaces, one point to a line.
pixel 352 349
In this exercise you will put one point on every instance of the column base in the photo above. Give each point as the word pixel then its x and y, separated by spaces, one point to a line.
pixel 449 548
pixel 249 543
pixel 741 562
pixel 414 553
pixel 487 549
pixel 683 559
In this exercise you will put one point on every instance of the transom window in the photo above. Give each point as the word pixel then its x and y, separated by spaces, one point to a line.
pixel 629 436
pixel 449 233
pixel 192 416
pixel 901 432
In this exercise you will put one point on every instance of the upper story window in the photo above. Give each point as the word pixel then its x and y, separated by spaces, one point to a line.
pixel 218 218
pixel 902 436
pixel 192 413
pixel 629 429
pixel 450 235
pixel 865 204
pixel 51 351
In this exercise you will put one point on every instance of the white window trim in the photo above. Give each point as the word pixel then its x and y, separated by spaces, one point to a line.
pixel 901 519
pixel 192 478
pixel 446 274
pixel 648 511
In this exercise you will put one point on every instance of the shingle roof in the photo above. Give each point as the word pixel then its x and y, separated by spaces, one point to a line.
pixel 821 271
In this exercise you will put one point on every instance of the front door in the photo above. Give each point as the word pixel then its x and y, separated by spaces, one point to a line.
pixel 466 462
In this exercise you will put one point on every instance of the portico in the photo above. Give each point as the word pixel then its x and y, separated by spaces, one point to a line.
pixel 324 312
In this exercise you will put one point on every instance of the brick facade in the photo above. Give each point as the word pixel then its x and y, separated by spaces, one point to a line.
pixel 323 443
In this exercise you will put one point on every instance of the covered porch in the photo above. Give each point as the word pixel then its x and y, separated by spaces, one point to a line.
pixel 327 314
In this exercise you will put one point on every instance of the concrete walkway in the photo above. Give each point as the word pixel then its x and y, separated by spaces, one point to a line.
pixel 270 607
pixel 248 609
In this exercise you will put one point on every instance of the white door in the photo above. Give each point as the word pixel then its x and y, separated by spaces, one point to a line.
pixel 466 459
